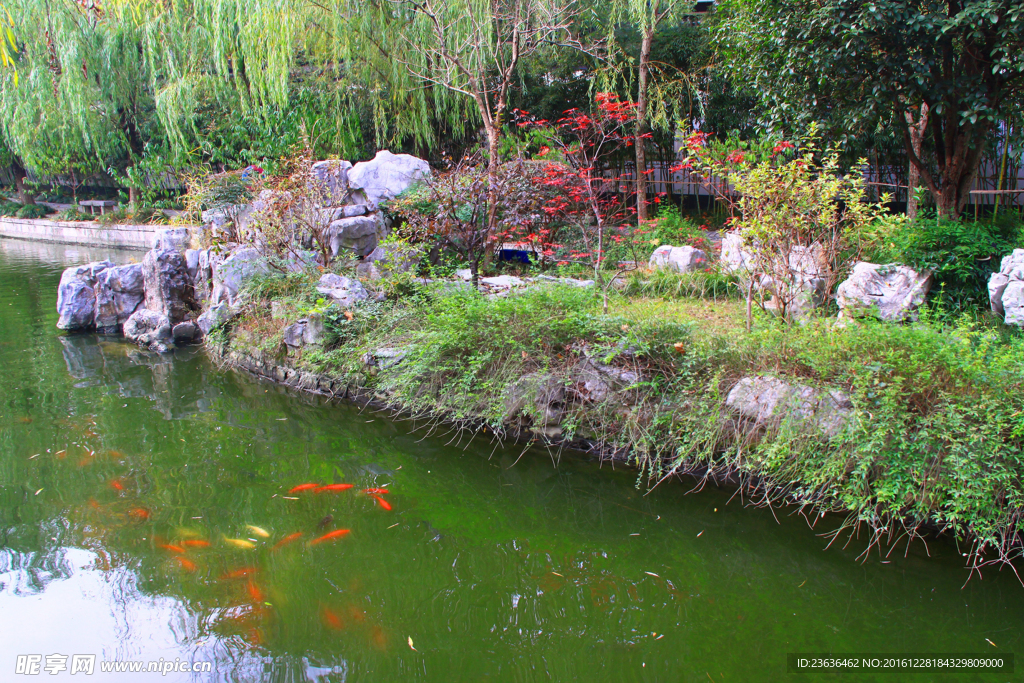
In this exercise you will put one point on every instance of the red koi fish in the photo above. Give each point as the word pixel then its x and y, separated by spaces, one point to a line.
pixel 186 564
pixel 116 485
pixel 372 492
pixel 287 539
pixel 238 573
pixel 330 536
pixel 140 514
pixel 331 620
pixel 254 591
pixel 196 543
pixel 303 487
pixel 172 548
pixel 383 503
pixel 333 488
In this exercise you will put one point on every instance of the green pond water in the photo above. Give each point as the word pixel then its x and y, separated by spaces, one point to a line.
pixel 118 467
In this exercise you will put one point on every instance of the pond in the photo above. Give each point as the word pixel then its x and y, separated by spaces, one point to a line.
pixel 148 513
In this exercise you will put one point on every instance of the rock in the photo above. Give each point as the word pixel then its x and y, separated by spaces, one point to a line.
pixel 770 401
pixel 230 274
pixel 889 292
pixel 342 290
pixel 185 332
pixel 76 296
pixel 383 358
pixel 359 233
pixel 464 274
pixel 595 382
pixel 169 289
pixel 176 239
pixel 502 282
pixel 678 259
pixel 389 259
pixel 192 263
pixel 734 256
pixel 1003 294
pixel 329 180
pixel 313 333
pixel 119 292
pixel 386 176
pixel 571 282
pixel 293 334
pixel 150 329
pixel 353 210
pixel 540 398
pixel 217 315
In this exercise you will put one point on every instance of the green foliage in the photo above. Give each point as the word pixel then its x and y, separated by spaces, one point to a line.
pixel 671 227
pixel 74 215
pixel 33 211
pixel 961 255
pixel 710 284
pixel 141 216
pixel 9 208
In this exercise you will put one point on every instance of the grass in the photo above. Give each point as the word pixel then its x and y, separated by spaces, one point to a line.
pixel 936 439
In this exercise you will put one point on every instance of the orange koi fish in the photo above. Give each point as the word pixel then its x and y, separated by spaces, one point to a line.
pixel 331 620
pixel 172 548
pixel 140 514
pixel 303 487
pixel 287 539
pixel 383 503
pixel 375 491
pixel 332 488
pixel 93 504
pixel 254 591
pixel 238 573
pixel 196 543
pixel 330 536
pixel 116 485
pixel 186 564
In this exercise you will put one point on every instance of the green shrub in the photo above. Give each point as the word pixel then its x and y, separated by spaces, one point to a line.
pixel 961 254
pixel 74 215
pixel 671 227
pixel 9 208
pixel 33 211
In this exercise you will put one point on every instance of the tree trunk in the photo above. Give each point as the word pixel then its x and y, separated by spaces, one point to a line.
pixel 492 193
pixel 916 130
pixel 25 196
pixel 133 197
pixel 641 116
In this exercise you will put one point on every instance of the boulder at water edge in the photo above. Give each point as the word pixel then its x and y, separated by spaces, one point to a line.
pixel 217 315
pixel 169 289
pixel 1006 289
pixel 119 293
pixel 150 329
pixel 889 292
pixel 76 296
pixel 385 176
pixel 230 274
pixel 177 239
pixel 678 259
pixel 769 401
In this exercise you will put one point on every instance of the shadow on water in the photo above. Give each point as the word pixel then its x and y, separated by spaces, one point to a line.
pixel 145 512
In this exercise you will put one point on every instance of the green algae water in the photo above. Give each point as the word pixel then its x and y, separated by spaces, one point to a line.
pixel 146 515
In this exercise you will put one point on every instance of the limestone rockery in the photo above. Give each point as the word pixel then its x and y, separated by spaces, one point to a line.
pixel 178 294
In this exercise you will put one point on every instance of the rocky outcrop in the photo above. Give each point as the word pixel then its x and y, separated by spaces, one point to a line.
pixel 230 274
pixel 176 239
pixel 537 400
pixel 595 382
pixel 343 291
pixel 889 292
pixel 119 293
pixel 150 329
pixel 214 317
pixel 76 296
pixel 1006 289
pixel 358 233
pixel 305 331
pixel 388 259
pixel 678 259
pixel 385 177
pixel 766 401
pixel 168 285
pixel 329 179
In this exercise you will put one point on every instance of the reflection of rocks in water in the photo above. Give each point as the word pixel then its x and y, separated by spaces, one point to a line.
pixel 29 573
pixel 170 381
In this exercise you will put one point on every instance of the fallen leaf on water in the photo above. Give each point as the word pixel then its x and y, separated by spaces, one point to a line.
pixel 991 643
pixel 39 491
pixel 410 645
pixel 698 535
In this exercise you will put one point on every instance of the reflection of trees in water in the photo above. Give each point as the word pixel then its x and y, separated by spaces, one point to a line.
pixel 63 255
pixel 27 572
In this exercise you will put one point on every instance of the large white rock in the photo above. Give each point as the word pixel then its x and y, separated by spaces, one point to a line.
pixel 329 181
pixel 385 176
pixel 230 274
pixel 1004 294
pixel 359 233
pixel 889 292
pixel 341 290
pixel 150 329
pixel 734 256
pixel 119 292
pixel 766 400
pixel 169 288
pixel 217 315
pixel 678 259
pixel 76 295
